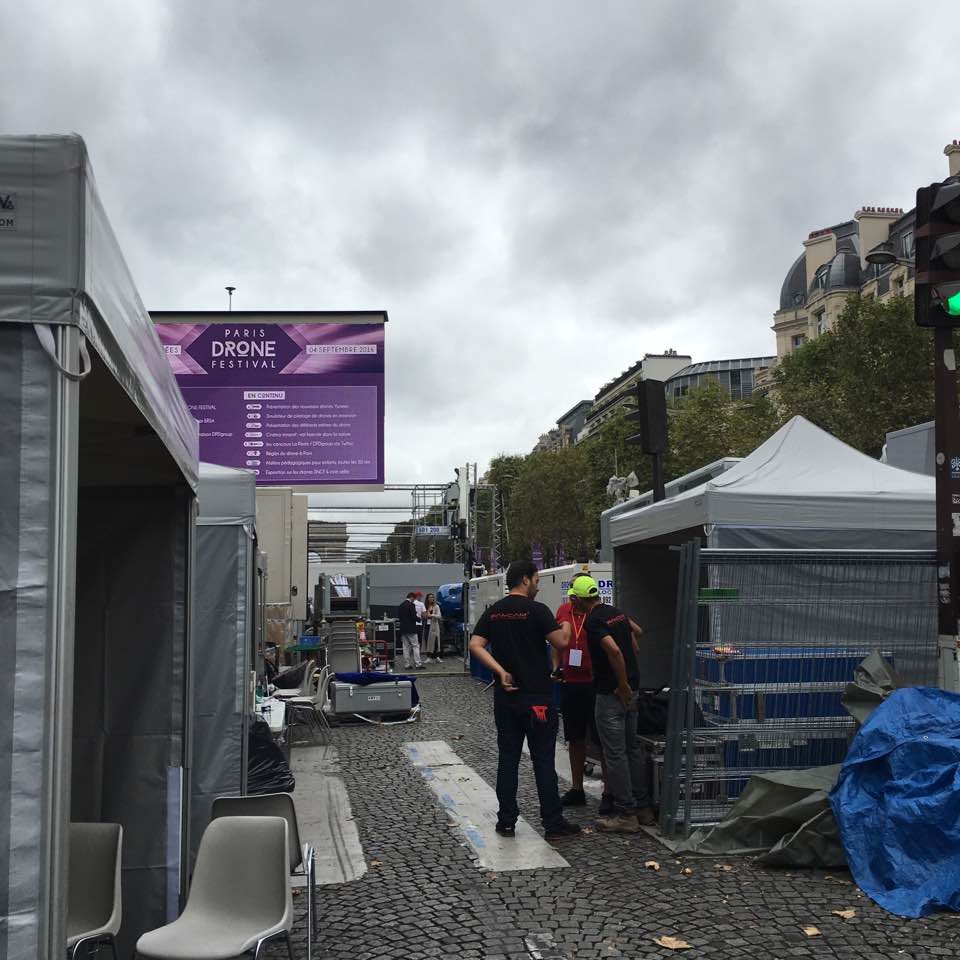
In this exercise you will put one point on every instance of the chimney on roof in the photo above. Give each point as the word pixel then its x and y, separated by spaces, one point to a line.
pixel 819 248
pixel 952 151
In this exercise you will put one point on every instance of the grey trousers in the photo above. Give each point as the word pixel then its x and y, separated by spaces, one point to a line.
pixel 623 753
pixel 411 650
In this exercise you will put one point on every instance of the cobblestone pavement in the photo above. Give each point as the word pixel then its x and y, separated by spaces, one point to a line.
pixel 423 896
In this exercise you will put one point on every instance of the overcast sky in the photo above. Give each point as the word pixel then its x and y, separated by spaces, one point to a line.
pixel 537 192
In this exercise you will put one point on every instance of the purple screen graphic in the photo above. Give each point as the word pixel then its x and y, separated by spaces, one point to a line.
pixel 299 404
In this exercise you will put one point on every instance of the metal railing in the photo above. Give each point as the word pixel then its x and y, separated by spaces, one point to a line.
pixel 765 644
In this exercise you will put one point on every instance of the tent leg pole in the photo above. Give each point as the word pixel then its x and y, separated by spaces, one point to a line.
pixel 58 750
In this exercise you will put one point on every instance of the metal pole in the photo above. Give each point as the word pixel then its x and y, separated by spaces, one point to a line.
pixel 947 439
pixel 658 491
pixel 58 734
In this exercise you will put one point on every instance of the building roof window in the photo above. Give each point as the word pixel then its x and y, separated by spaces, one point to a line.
pixel 906 245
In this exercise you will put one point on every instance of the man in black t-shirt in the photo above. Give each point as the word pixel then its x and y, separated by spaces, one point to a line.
pixel 616 680
pixel 516 630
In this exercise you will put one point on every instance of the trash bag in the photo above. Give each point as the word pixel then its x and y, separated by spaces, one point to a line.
pixel 897 803
pixel 652 709
pixel 267 767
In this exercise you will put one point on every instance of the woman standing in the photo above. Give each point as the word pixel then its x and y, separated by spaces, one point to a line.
pixel 433 626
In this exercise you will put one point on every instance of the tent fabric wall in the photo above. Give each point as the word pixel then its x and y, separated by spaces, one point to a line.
pixel 26 518
pixel 223 632
pixel 130 675
pixel 73 273
pixel 650 599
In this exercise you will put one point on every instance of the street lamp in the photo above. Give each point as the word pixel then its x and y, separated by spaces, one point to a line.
pixel 883 255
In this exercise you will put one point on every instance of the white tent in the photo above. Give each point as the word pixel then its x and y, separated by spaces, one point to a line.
pixel 801 488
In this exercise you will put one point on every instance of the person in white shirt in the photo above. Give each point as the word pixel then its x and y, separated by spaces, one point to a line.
pixel 421 621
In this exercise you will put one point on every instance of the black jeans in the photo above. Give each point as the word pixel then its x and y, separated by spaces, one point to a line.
pixel 518 717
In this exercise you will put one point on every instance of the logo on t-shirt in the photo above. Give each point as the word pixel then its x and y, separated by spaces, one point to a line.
pixel 509 616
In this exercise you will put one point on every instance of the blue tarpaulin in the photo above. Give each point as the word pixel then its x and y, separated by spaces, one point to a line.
pixel 897 803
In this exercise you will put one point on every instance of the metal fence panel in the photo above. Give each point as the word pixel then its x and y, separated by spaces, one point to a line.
pixel 766 642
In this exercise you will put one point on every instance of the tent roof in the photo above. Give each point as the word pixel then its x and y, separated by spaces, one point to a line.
pixel 800 477
pixel 226 496
pixel 61 264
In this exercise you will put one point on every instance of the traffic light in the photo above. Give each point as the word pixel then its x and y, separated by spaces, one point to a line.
pixel 651 414
pixel 937 245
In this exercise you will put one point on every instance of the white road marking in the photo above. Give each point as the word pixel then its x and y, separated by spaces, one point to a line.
pixel 324 816
pixel 542 946
pixel 471 804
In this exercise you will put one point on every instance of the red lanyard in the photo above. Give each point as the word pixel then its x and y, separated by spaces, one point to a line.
pixel 577 631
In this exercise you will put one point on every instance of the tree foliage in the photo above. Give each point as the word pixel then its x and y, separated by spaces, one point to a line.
pixel 707 425
pixel 871 374
pixel 554 499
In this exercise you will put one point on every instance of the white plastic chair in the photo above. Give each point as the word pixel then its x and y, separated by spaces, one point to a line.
pixel 303 860
pixel 312 707
pixel 240 897
pixel 93 888
pixel 306 687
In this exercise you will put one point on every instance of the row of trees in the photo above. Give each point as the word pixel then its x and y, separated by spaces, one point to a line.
pixel 871 374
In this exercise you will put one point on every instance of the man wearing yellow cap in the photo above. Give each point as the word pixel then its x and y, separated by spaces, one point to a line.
pixel 616 681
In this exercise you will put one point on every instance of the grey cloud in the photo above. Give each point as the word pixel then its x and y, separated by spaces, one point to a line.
pixel 495 175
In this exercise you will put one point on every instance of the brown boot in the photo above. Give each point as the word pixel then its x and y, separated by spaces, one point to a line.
pixel 618 823
pixel 646 817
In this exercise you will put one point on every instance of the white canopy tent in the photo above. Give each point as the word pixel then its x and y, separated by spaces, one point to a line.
pixel 800 489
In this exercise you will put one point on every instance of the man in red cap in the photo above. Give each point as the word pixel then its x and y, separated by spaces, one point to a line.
pixel 421 608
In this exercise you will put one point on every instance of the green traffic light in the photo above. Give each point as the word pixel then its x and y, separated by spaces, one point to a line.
pixel 952 305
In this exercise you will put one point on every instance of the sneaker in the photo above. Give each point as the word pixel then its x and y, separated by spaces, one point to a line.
pixel 646 817
pixel 606 806
pixel 618 824
pixel 561 831
pixel 573 798
pixel 506 829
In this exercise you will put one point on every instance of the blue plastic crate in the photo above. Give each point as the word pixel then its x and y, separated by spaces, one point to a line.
pixel 764 705
pixel 804 752
pixel 777 664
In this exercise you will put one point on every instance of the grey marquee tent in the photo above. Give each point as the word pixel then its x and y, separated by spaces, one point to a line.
pixel 98 473
pixel 224 637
